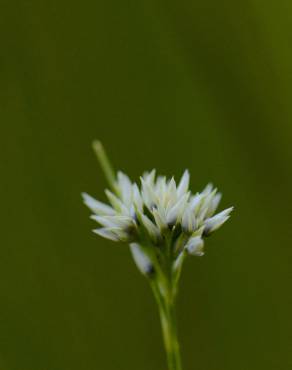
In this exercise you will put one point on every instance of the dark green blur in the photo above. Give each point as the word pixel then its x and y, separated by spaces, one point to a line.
pixel 167 84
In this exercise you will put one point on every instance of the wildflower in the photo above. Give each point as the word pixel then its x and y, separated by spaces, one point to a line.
pixel 156 210
pixel 163 222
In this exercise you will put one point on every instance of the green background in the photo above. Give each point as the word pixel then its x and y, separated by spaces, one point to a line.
pixel 166 84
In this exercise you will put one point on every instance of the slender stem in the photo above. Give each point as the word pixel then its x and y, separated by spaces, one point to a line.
pixel 164 284
pixel 166 306
pixel 171 339
pixel 105 164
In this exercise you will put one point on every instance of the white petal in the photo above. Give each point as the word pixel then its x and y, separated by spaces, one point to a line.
pixel 206 202
pixel 96 206
pixel 151 228
pixel 177 210
pixel 160 186
pixel 113 233
pixel 195 246
pixel 184 184
pixel 160 219
pixel 179 261
pixel 189 222
pixel 142 261
pixel 114 221
pixel 171 188
pixel 117 203
pixel 125 187
pixel 214 204
pixel 195 202
pixel 148 194
pixel 213 223
pixel 149 177
pixel 106 233
pixel 208 189
pixel 137 198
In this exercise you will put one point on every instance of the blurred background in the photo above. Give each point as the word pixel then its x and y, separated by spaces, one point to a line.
pixel 200 85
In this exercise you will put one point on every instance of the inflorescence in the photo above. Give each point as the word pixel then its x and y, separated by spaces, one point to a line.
pixel 156 213
pixel 163 222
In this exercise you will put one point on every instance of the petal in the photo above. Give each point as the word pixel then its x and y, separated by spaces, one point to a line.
pixel 183 184
pixel 171 188
pixel 208 189
pixel 150 227
pixel 125 187
pixel 177 266
pixel 206 202
pixel 213 223
pixel 113 221
pixel 140 258
pixel 214 204
pixel 112 233
pixel 117 203
pixel 177 210
pixel 195 246
pixel 137 198
pixel 189 222
pixel 196 201
pixel 148 194
pixel 96 206
pixel 159 219
pixel 149 177
pixel 160 185
pixel 106 233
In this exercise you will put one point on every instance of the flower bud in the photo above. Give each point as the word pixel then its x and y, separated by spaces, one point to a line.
pixel 141 260
pixel 195 246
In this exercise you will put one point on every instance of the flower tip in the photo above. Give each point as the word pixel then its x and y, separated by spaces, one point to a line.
pixel 98 148
pixel 228 211
pixel 84 195
pixel 186 173
pixel 87 199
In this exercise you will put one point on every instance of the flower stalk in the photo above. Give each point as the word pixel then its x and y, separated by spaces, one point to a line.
pixel 105 164
pixel 166 306
pixel 163 223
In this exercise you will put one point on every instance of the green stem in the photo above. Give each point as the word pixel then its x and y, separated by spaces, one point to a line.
pixel 105 164
pixel 164 284
pixel 171 339
pixel 166 306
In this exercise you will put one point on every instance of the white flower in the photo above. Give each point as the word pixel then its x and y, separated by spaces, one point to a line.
pixel 213 223
pixel 195 246
pixel 143 263
pixel 156 210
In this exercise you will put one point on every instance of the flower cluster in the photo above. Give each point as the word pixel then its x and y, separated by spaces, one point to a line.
pixel 157 212
pixel 163 222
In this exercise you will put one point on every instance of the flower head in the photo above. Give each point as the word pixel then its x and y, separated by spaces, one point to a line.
pixel 157 210
pixel 163 222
